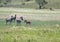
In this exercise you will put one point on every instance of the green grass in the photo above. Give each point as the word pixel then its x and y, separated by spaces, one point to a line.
pixel 35 23
pixel 38 31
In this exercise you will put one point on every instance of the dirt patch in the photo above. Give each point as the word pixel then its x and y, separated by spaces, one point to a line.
pixel 42 17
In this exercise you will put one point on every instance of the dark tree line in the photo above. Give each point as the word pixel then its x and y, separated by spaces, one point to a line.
pixel 41 3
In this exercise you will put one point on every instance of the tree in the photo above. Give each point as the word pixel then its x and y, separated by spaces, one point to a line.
pixel 8 1
pixel 27 0
pixel 41 3
pixel 1 3
pixel 4 2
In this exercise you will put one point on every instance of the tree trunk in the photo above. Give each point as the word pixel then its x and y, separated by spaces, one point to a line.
pixel 40 7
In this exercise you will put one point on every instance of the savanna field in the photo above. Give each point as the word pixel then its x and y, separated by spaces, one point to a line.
pixel 37 31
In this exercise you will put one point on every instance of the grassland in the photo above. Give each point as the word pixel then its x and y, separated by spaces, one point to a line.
pixel 38 31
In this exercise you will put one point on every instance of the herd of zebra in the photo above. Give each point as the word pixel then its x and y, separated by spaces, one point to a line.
pixel 18 21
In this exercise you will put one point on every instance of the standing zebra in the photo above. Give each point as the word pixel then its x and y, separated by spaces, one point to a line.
pixel 10 19
pixel 13 18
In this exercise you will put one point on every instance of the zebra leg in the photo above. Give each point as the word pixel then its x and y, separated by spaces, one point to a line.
pixel 6 21
pixel 18 22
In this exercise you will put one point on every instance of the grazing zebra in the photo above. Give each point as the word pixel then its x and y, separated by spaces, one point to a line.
pixel 27 22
